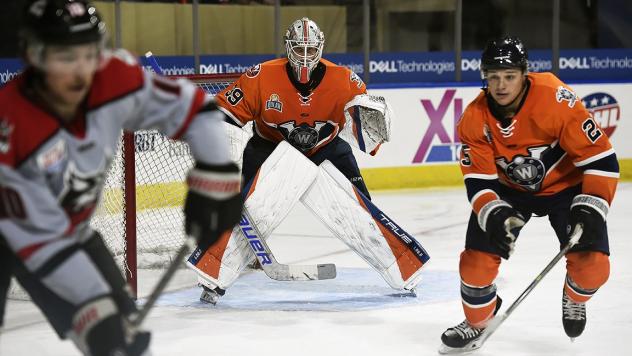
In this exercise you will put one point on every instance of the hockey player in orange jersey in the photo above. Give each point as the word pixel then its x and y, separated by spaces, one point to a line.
pixel 300 99
pixel 530 148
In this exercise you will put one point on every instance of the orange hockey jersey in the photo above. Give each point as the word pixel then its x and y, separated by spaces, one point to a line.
pixel 552 143
pixel 307 119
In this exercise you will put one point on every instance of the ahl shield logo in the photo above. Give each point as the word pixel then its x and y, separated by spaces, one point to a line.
pixel 274 103
pixel 605 110
pixel 303 136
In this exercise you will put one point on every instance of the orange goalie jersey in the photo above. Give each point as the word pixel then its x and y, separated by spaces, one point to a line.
pixel 307 119
pixel 551 144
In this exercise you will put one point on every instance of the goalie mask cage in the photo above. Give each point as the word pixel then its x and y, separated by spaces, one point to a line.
pixel 140 213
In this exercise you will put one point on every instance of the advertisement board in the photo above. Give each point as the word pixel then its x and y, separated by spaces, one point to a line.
pixel 407 67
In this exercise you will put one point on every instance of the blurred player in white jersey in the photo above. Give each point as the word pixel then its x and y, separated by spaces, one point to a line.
pixel 60 123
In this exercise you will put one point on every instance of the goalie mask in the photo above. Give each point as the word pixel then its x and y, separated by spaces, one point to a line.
pixel 304 43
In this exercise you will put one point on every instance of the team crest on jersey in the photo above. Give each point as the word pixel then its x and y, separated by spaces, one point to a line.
pixel 305 100
pixel 605 110
pixel 304 136
pixel 81 190
pixel 355 78
pixel 6 129
pixel 274 103
pixel 50 159
pixel 565 94
pixel 529 171
pixel 253 71
pixel 525 171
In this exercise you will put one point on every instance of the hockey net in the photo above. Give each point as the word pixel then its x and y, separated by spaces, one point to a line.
pixel 140 215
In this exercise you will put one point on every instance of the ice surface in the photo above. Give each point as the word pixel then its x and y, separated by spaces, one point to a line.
pixel 357 313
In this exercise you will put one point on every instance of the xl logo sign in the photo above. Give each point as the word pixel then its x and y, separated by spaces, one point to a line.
pixel 447 149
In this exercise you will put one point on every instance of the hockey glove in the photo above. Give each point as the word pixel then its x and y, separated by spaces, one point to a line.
pixel 214 203
pixel 502 225
pixel 591 212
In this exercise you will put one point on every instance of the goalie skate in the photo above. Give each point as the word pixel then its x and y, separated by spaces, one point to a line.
pixel 463 338
pixel 210 296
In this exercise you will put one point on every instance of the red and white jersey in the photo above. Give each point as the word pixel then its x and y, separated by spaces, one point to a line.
pixel 307 120
pixel 551 144
pixel 52 173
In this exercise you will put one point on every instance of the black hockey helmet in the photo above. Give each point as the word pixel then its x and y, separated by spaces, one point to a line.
pixel 503 53
pixel 62 22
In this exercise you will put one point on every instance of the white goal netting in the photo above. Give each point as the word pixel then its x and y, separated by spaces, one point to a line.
pixel 160 166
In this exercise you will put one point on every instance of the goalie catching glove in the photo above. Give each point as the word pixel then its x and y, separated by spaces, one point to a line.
pixel 502 224
pixel 589 211
pixel 368 122
pixel 214 203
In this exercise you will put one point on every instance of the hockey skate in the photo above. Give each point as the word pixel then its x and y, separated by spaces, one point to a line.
pixel 463 338
pixel 210 296
pixel 573 316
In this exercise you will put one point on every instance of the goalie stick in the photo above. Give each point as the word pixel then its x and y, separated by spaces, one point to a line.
pixel 269 264
pixel 495 323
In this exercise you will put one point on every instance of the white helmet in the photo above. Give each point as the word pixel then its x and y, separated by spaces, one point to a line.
pixel 304 43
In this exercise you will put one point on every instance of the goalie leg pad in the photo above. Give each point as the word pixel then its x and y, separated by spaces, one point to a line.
pixel 354 219
pixel 269 197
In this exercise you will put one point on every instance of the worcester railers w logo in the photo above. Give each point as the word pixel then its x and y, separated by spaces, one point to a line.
pixel 526 171
pixel 305 137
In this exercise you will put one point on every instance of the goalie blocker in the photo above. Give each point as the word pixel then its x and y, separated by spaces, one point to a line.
pixel 288 177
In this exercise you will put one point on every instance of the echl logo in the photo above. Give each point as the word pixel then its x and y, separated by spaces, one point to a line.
pixel 303 136
pixel 528 171
pixel 605 110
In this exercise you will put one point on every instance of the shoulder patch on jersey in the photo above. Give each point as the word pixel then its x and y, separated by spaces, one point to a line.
pixel 6 129
pixel 253 71
pixel 563 94
pixel 355 78
pixel 274 103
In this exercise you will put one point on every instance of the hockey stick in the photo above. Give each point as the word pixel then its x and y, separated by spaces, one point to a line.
pixel 269 264
pixel 153 63
pixel 162 283
pixel 498 320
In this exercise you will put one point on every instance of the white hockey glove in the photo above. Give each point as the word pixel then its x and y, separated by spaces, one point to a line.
pixel 214 202
pixel 368 122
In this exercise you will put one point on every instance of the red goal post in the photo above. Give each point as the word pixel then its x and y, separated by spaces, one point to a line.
pixel 140 213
